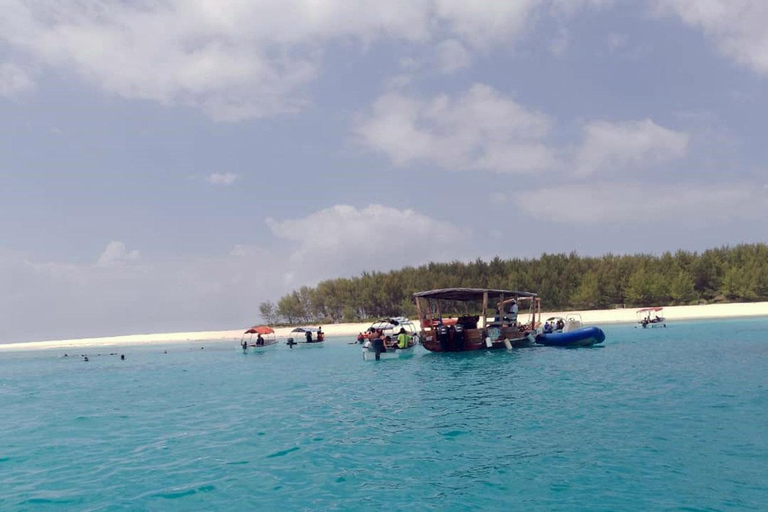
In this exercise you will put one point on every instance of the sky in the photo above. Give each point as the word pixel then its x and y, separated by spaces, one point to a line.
pixel 167 165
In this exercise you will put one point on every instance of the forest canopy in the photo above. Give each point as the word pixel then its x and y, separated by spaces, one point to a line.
pixel 563 281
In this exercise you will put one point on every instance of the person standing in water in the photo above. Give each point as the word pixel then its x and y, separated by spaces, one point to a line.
pixel 244 344
pixel 378 344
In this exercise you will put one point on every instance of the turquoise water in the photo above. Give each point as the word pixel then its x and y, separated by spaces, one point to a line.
pixel 673 419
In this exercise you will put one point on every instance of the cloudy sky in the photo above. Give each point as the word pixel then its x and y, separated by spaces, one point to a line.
pixel 166 165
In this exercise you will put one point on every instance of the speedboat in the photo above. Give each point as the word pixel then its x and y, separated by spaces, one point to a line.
pixel 441 332
pixel 569 332
pixel 305 337
pixel 390 351
pixel 391 326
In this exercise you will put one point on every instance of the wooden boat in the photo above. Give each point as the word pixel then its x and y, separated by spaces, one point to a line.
pixel 651 317
pixel 569 332
pixel 468 331
pixel 265 337
pixel 305 337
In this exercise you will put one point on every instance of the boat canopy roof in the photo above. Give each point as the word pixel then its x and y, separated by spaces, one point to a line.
pixel 467 294
pixel 645 310
pixel 397 320
pixel 260 329
pixel 306 329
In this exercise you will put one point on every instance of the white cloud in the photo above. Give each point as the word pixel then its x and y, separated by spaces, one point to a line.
pixel 343 239
pixel 620 146
pixel 116 254
pixel 14 80
pixel 481 130
pixel 452 56
pixel 646 202
pixel 486 130
pixel 736 26
pixel 236 59
pixel 482 24
pixel 226 178
pixel 58 300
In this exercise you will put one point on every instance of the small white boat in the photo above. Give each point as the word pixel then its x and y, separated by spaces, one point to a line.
pixel 651 317
pixel 265 337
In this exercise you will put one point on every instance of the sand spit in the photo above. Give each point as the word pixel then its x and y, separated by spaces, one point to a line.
pixel 596 317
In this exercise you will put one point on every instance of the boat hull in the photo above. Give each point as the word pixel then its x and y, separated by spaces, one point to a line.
pixel 292 343
pixel 584 337
pixel 470 345
pixel 369 353
pixel 265 345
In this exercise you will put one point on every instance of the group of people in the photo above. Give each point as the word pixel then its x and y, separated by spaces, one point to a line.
pixel 320 336
pixel 381 342
pixel 556 325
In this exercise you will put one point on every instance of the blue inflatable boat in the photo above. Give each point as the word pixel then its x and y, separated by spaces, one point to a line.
pixel 569 332
pixel 584 337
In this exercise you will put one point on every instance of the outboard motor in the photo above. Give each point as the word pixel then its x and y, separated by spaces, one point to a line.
pixel 444 337
pixel 458 338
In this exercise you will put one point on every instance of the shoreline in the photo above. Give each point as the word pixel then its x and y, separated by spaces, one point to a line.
pixel 591 317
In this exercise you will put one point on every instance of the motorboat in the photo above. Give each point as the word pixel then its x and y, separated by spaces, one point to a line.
pixel 265 337
pixel 305 336
pixel 651 317
pixel 389 350
pixel 391 327
pixel 569 332
pixel 449 322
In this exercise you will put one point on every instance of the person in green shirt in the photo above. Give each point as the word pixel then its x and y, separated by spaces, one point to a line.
pixel 403 339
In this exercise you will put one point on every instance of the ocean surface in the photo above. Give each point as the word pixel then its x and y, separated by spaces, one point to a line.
pixel 657 419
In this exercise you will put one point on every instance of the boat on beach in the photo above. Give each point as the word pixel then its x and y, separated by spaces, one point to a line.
pixel 265 337
pixel 467 331
pixel 651 317
pixel 305 337
pixel 569 332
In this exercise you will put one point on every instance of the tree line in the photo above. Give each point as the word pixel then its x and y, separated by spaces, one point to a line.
pixel 563 281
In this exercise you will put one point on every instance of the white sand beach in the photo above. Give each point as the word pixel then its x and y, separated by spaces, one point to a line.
pixel 594 317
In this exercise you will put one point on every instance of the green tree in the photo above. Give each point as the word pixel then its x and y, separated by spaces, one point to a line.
pixel 268 312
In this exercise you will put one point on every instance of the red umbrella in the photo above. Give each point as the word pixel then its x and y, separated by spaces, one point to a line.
pixel 260 329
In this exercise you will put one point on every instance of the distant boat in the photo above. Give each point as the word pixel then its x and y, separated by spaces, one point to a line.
pixel 651 317
pixel 569 332
pixel 467 332
pixel 266 333
pixel 299 337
